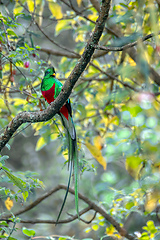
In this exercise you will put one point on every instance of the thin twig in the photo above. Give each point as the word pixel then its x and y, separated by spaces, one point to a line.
pixel 54 42
pixel 124 47
pixel 115 78
pixel 68 220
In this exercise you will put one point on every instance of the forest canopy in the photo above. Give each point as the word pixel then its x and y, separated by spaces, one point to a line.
pixel 107 56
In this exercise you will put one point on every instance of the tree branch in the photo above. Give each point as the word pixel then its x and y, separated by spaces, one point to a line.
pixel 68 220
pixel 102 48
pixel 59 53
pixel 91 205
pixel 47 114
pixel 124 47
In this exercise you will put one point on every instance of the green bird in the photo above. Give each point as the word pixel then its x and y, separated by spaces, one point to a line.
pixel 50 88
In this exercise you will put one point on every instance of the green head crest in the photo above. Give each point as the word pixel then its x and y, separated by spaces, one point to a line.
pixel 50 72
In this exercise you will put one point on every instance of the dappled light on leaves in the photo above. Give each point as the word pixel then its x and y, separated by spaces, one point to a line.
pixel 96 153
pixel 152 200
pixel 111 76
pixel 134 165
pixel 9 203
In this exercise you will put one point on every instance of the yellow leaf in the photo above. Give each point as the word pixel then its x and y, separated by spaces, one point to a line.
pixel 17 9
pixel 41 142
pixel 30 5
pixel 93 16
pixel 114 120
pixel 80 37
pixel 156 104
pixel 54 136
pixel 98 142
pixel 55 9
pixel 79 2
pixel 9 203
pixel 63 25
pixel 134 165
pixel 152 198
pixel 19 101
pixel 87 230
pixel 96 153
pixel 95 227
pixel 110 230
pixel 132 62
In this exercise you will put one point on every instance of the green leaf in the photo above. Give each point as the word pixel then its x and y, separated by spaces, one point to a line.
pixel 11 32
pixel 3 158
pixel 25 195
pixel 17 181
pixel 28 232
pixel 134 165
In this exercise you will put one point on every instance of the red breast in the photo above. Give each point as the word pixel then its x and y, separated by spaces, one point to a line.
pixel 49 94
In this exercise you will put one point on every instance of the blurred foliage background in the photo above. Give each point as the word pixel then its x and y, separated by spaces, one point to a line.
pixel 116 113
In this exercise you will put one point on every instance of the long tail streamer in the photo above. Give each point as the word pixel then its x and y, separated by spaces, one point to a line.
pixel 73 162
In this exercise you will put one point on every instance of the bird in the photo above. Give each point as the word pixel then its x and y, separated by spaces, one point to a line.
pixel 50 88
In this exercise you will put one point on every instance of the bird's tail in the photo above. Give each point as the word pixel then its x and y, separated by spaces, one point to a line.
pixel 73 161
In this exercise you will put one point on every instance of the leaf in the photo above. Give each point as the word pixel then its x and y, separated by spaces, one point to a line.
pixel 96 153
pixel 11 32
pixel 98 142
pixel 131 62
pixel 25 195
pixel 17 9
pixel 152 198
pixel 79 2
pixel 40 144
pixel 28 232
pixel 134 165
pixel 55 9
pixel 9 203
pixel 95 227
pixel 17 181
pixel 62 25
pixel 30 5
pixel 151 227
pixel 3 158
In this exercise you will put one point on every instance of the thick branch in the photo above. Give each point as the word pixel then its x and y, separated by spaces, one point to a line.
pixel 47 114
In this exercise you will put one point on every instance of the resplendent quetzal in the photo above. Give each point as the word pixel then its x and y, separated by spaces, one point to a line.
pixel 51 87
